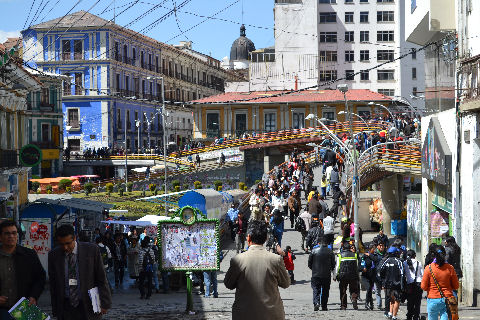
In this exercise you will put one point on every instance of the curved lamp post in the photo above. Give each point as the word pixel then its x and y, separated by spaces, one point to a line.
pixel 359 116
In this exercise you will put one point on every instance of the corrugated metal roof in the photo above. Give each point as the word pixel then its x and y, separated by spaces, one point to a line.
pixel 80 204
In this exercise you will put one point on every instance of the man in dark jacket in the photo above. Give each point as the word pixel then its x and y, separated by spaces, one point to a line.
pixel 119 254
pixel 73 269
pixel 322 263
pixel 314 206
pixel 391 273
pixel 378 258
pixel 367 267
pixel 335 179
pixel 21 274
pixel 315 234
pixel 347 275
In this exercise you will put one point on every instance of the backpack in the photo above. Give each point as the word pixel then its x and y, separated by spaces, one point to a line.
pixel 300 225
pixel 104 255
pixel 147 264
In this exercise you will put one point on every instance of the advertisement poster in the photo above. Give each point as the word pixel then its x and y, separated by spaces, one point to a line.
pixel 438 224
pixel 38 235
pixel 189 246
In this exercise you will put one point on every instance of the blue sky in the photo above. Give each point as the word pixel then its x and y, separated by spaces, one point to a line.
pixel 213 36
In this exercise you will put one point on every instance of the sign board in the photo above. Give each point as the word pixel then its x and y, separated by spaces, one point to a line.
pixel 436 155
pixel 30 155
pixel 38 236
pixel 189 244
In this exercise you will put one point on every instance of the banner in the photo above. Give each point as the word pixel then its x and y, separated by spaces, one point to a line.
pixel 38 236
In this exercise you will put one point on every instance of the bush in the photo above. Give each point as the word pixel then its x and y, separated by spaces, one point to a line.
pixel 186 186
pixel 152 187
pixel 64 183
pixel 241 185
pixel 209 186
pixel 88 187
pixel 120 192
pixel 176 183
pixel 217 183
pixel 177 188
pixel 49 188
pixel 258 181
pixel 68 189
pixel 109 188
pixel 245 188
pixel 49 191
pixel 197 185
pixel 35 186
pixel 219 188
pixel 129 186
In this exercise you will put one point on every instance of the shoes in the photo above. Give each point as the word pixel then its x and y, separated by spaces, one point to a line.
pixel 215 296
pixel 324 309
pixel 142 297
pixel 316 307
pixel 343 308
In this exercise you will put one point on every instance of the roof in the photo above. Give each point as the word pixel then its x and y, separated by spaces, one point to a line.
pixel 12 42
pixel 287 96
pixel 80 204
pixel 74 20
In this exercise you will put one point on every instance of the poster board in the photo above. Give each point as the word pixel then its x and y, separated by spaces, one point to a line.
pixel 189 244
pixel 38 236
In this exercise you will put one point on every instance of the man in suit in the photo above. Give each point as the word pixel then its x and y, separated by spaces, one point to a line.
pixel 256 275
pixel 74 268
pixel 21 273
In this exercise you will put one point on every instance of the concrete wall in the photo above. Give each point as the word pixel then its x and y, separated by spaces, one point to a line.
pixel 364 201
pixel 391 189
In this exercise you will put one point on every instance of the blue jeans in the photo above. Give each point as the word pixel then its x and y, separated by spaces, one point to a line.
pixel 436 308
pixel 210 278
pixel 155 276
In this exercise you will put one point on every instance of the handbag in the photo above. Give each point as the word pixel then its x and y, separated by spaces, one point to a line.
pixel 450 303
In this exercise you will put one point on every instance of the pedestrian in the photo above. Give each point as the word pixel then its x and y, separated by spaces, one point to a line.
pixel 314 206
pixel 119 254
pixel 305 227
pixel 367 266
pixel 323 186
pixel 329 229
pixel 156 253
pixel 106 256
pixel 21 273
pixel 378 258
pixel 146 260
pixel 231 216
pixel 133 253
pixel 255 205
pixel 288 258
pixel 74 268
pixel 240 229
pixel 382 237
pixel 147 172
pixel 335 180
pixel 440 280
pixel 278 224
pixel 347 275
pixel 391 273
pixel 256 275
pixel 453 254
pixel 294 207
pixel 314 234
pixel 413 274
pixel 197 159
pixel 322 263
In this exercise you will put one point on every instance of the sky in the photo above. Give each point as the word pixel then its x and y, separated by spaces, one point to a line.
pixel 212 36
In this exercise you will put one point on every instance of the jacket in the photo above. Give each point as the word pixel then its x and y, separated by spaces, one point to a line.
pixel 237 228
pixel 347 266
pixel 91 274
pixel 314 206
pixel 328 225
pixel 256 275
pixel 293 204
pixel 378 258
pixel 288 260
pixel 453 258
pixel 446 278
pixel 29 272
pixel 321 261
pixel 368 262
pixel 334 177
pixel 314 236
pixel 391 273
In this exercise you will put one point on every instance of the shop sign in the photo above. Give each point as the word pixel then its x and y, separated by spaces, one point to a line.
pixel 436 156
pixel 441 198
pixel 30 155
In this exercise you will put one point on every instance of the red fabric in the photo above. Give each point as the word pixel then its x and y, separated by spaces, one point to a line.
pixel 288 260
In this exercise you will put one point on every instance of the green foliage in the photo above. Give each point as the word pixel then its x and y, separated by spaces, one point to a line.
pixel 109 188
pixel 152 187
pixel 64 183
pixel 217 183
pixel 35 186
pixel 129 186
pixel 245 188
pixel 177 188
pixel 49 188
pixel 219 188
pixel 241 186
pixel 258 181
pixel 176 183
pixel 49 191
pixel 120 191
pixel 197 185
pixel 88 187
pixel 68 189
pixel 35 177
pixel 209 186
pixel 186 186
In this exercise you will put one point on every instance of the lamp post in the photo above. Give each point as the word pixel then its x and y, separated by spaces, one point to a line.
pixel 137 124
pixel 391 114
pixel 126 154
pixel 408 103
pixel 359 116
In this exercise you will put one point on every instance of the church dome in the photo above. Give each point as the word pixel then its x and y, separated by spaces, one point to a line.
pixel 241 47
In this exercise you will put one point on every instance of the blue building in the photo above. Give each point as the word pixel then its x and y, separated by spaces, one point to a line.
pixel 115 79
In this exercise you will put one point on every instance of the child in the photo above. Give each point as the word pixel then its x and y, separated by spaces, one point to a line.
pixel 323 186
pixel 288 258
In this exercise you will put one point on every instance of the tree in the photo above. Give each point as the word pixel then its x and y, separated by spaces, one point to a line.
pixel 87 187
pixel 217 183
pixel 129 186
pixel 152 187
pixel 109 188
pixel 35 186
pixel 64 183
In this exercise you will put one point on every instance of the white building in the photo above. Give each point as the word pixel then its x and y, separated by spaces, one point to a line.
pixel 317 41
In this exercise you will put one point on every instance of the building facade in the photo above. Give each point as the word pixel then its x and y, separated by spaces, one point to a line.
pixel 319 41
pixel 116 74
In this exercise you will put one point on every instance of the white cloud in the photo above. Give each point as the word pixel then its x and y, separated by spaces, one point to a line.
pixel 8 34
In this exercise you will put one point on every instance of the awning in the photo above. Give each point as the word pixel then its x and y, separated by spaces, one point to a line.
pixel 81 204
pixel 5 195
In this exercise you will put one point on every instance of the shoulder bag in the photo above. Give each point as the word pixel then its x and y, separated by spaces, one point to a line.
pixel 450 303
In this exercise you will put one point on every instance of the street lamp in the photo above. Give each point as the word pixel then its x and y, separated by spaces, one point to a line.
pixel 137 124
pixel 359 116
pixel 391 114
pixel 408 103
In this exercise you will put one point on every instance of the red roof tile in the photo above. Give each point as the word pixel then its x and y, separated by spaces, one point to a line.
pixel 286 96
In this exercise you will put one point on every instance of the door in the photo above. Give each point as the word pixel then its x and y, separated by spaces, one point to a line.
pixel 298 120
pixel 240 124
pixel 213 125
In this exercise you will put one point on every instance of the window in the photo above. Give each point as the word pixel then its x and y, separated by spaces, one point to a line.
pixel 385 16
pixel 74 144
pixel 240 123
pixel 386 1
pixel 129 124
pixel 364 17
pixel 348 1
pixel 298 120
pixel 116 51
pixel 348 17
pixel 77 50
pixel 127 84
pixel 45 132
pixel 349 36
pixel 385 55
pixel 78 83
pixel 328 55
pixel 125 53
pixel 326 17
pixel 364 36
pixel 364 55
pixel 384 75
pixel 414 91
pixel 66 50
pixel 349 75
pixel 328 37
pixel 73 118
pixel 45 97
pixel 414 54
pixel 328 75
pixel 363 1
pixel 349 56
pixel 134 56
pixel 119 119
pixel 117 82
pixel 364 75
pixel 270 122
pixel 387 92
pixel 414 73
pixel 144 88
pixel 328 1
pixel 385 36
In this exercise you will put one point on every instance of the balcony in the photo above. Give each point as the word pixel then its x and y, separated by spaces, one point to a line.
pixel 8 159
pixel 470 75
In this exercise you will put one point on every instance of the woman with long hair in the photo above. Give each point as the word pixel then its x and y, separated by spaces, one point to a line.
pixel 413 271
pixel 453 253
pixel 439 280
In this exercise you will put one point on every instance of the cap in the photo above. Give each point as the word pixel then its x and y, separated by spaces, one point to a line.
pixel 392 250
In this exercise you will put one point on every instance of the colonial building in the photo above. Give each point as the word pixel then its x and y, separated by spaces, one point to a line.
pixel 116 75
pixel 240 54
pixel 235 113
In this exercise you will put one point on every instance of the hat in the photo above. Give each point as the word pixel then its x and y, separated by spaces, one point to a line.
pixel 392 250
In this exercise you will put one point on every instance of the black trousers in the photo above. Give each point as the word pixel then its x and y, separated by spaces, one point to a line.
pixel 321 290
pixel 369 297
pixel 145 282
pixel 414 300
pixel 73 313
pixel 293 217
pixel 354 291
pixel 118 268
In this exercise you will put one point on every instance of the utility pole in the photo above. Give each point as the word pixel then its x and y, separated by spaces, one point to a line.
pixel 126 153
pixel 164 113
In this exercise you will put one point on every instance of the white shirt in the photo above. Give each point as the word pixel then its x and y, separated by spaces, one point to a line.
pixel 411 276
